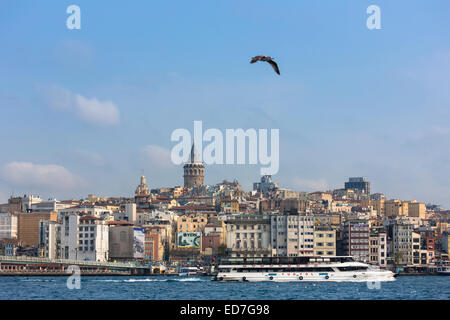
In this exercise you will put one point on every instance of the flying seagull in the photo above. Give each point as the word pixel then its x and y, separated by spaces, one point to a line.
pixel 267 59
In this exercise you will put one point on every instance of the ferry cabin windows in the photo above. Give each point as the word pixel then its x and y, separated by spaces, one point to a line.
pixel 283 270
pixel 352 268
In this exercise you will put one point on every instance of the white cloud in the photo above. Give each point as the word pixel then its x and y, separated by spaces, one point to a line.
pixel 157 156
pixel 93 111
pixel 97 112
pixel 310 185
pixel 51 177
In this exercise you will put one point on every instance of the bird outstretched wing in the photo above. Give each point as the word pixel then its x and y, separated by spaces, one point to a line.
pixel 274 66
pixel 266 59
pixel 257 58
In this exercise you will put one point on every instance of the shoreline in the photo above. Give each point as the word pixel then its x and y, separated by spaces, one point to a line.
pixel 129 274
pixel 63 273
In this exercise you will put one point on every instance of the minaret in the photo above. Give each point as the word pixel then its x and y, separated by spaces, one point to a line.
pixel 194 170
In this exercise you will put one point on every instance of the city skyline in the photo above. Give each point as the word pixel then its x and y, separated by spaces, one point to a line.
pixel 84 111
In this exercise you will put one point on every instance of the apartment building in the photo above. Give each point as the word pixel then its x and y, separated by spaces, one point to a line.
pixel 402 241
pixel 356 239
pixel 8 226
pixel 248 236
pixel 292 235
pixel 84 237
pixel 28 226
pixel 396 208
pixel 324 241
pixel 417 209
pixel 191 223
pixel 378 248
pixel 50 239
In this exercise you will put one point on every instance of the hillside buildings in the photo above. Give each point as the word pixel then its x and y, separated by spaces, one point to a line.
pixel 198 223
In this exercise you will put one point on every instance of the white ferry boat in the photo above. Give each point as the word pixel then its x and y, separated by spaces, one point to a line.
pixel 342 268
pixel 443 268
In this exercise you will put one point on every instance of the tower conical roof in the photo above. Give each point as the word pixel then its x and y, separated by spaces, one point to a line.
pixel 194 158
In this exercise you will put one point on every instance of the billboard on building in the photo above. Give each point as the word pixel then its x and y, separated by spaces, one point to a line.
pixel 138 243
pixel 189 239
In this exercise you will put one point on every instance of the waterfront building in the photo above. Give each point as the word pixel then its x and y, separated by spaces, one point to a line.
pixel 8 247
pixel 167 237
pixel 84 237
pixel 292 235
pixel 356 239
pixel 378 248
pixel 153 245
pixel 445 242
pixel 248 236
pixel 401 232
pixel 324 241
pixel 50 239
pixel 121 240
pixel 211 243
pixel 28 226
pixel 417 253
pixel 8 226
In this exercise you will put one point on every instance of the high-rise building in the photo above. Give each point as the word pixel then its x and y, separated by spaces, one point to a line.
pixel 194 170
pixel 358 183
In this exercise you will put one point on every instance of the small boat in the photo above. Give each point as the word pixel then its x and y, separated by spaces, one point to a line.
pixel 189 271
pixel 443 268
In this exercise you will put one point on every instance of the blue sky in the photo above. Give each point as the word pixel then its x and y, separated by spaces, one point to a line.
pixel 349 101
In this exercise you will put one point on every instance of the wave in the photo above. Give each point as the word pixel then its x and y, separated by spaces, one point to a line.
pixel 153 280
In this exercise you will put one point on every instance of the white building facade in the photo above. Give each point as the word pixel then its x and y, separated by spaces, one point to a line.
pixel 84 237
pixel 292 235
pixel 8 226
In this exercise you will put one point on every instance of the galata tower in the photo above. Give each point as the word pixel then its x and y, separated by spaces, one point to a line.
pixel 194 170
